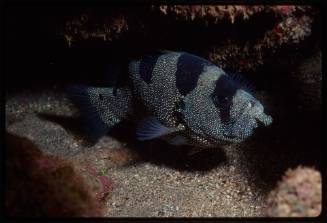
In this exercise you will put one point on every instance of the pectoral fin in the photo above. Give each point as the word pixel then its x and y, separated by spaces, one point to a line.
pixel 150 128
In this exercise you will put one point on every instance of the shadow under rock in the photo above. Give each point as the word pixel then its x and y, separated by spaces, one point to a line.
pixel 71 124
pixel 159 152
pixel 292 142
pixel 178 157
pixel 156 151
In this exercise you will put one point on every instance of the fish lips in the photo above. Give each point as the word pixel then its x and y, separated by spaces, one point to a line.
pixel 264 119
pixel 244 128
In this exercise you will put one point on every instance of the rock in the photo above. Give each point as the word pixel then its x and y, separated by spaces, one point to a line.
pixel 86 27
pixel 48 136
pixel 298 194
pixel 307 80
pixel 233 13
pixel 40 185
pixel 262 31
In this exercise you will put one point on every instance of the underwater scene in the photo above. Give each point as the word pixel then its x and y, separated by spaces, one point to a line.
pixel 163 111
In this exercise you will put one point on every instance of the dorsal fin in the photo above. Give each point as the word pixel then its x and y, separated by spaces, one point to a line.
pixel 241 81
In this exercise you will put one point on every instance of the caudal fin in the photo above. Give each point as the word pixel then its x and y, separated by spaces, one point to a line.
pixel 94 125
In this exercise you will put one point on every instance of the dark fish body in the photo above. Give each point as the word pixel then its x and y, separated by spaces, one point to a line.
pixel 175 96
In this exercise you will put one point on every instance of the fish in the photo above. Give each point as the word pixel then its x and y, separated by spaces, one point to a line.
pixel 177 97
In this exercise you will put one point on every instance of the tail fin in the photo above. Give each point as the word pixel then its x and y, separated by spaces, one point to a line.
pixel 94 125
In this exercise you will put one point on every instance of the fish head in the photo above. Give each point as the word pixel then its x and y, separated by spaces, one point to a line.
pixel 245 114
pixel 223 112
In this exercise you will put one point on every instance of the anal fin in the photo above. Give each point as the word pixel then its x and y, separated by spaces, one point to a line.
pixel 195 150
pixel 178 141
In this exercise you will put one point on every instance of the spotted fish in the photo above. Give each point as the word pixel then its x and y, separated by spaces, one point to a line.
pixel 175 96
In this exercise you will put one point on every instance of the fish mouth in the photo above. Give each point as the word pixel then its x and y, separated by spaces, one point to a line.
pixel 225 139
pixel 264 119
pixel 260 119
pixel 233 139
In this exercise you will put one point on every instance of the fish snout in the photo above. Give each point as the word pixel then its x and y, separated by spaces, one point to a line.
pixel 266 120
pixel 260 116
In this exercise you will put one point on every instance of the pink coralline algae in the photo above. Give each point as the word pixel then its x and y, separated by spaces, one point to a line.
pixel 86 27
pixel 297 195
pixel 230 12
pixel 42 185
pixel 216 12
pixel 274 28
pixel 284 9
pixel 290 30
pixel 292 24
pixel 106 184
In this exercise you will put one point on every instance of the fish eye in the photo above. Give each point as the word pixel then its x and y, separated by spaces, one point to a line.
pixel 101 97
pixel 221 99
